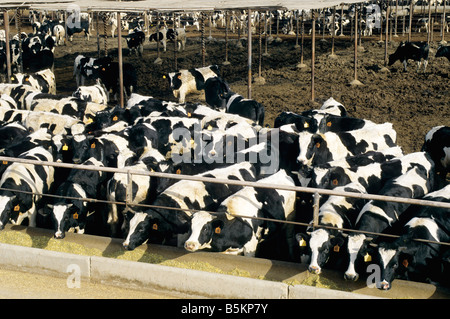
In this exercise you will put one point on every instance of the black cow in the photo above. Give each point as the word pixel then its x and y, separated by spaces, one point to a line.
pixel 219 95
pixel 135 41
pixel 416 51
pixel 108 73
pixel 77 23
pixel 443 51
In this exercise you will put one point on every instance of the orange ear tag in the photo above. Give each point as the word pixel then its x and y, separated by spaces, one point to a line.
pixel 328 124
pixel 318 145
pixel 93 145
pixel 75 216
pixel 336 248
pixel 155 226
pixel 335 182
pixel 115 118
pixel 217 230
pixel 405 263
pixel 178 171
pixel 5 162
pixel 16 208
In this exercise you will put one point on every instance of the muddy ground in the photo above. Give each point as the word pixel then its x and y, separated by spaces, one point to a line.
pixel 413 102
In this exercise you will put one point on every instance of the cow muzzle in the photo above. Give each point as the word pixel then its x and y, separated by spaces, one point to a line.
pixel 352 277
pixel 59 235
pixel 190 246
pixel 315 270
pixel 384 285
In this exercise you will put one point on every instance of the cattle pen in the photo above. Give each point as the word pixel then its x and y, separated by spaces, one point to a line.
pixel 246 79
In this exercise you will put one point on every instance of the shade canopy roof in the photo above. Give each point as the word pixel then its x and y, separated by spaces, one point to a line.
pixel 172 5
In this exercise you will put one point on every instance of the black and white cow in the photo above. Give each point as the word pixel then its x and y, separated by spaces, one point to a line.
pixel 233 229
pixel 186 195
pixel 300 122
pixel 11 133
pixel 437 144
pixel 219 95
pixel 33 179
pixel 320 148
pixel 83 68
pixel 185 82
pixel 19 93
pixel 416 260
pixel 73 213
pixel 108 73
pixel 165 35
pixel 93 93
pixel 337 212
pixel 77 23
pixel 135 41
pixel 416 51
pixel 40 137
pixel 377 216
pixel 144 187
pixel 443 51
pixel 43 81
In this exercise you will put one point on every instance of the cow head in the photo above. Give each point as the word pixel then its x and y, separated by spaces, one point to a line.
pixel 392 262
pixel 203 226
pixel 216 92
pixel 141 227
pixel 323 243
pixel 313 149
pixel 67 216
pixel 361 252
pixel 175 80
pixel 81 145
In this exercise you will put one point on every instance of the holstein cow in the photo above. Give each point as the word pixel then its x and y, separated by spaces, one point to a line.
pixel 165 34
pixel 33 179
pixel 186 195
pixel 437 144
pixel 83 68
pixel 43 81
pixel 415 260
pixel 321 148
pixel 185 82
pixel 143 191
pixel 219 95
pixel 78 23
pixel 73 213
pixel 443 51
pixel 18 92
pixel 337 212
pixel 108 73
pixel 300 122
pixel 378 216
pixel 93 93
pixel 235 228
pixel 135 41
pixel 416 51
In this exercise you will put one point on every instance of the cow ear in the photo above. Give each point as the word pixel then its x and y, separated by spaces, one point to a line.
pixel 302 239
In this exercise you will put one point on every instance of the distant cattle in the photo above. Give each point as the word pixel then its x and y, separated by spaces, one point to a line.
pixel 164 35
pixel 94 93
pixel 185 82
pixel 78 22
pixel 135 41
pixel 416 51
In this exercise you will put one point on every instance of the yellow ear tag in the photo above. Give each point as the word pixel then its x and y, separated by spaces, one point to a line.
pixel 328 124
pixel 26 79
pixel 115 118
pixel 93 145
pixel 178 171
pixel 336 248
pixel 189 114
pixel 209 128
pixel 65 147
pixel 16 208
pixel 5 162
pixel 306 125
pixel 302 243
pixel 12 78
pixel 405 263
pixel 217 230
pixel 164 76
pixel 75 216
pixel 367 258
pixel 89 120
pixel 155 226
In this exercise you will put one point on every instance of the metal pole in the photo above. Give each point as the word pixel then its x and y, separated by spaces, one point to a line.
pixel 8 50
pixel 355 77
pixel 313 52
pixel 226 39
pixel 443 25
pixel 158 59
pixel 410 19
pixel 386 40
pixel 119 46
pixel 203 39
pixel 175 48
pixel 249 51
pixel 430 24
pixel 333 20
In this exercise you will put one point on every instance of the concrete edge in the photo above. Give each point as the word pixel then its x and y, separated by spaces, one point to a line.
pixel 142 275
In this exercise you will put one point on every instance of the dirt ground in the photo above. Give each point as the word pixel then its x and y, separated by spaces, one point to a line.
pixel 413 102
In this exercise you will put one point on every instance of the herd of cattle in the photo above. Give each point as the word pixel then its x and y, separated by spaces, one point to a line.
pixel 224 139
